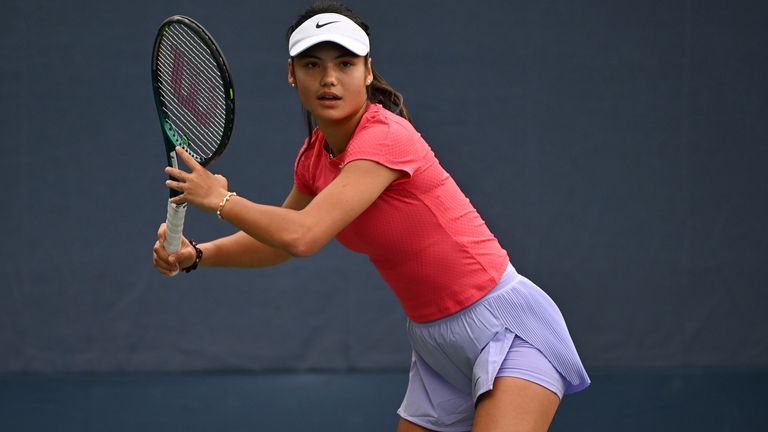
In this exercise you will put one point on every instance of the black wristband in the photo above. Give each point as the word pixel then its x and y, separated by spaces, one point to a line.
pixel 198 257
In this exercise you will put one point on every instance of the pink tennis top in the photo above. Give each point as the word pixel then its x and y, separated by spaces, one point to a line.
pixel 423 235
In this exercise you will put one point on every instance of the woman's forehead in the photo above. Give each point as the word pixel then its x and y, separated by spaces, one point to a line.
pixel 327 50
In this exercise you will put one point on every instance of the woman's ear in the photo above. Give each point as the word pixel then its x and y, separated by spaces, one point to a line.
pixel 291 76
pixel 369 73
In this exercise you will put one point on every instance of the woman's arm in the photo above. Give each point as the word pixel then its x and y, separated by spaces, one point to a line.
pixel 242 250
pixel 237 250
pixel 304 232
pixel 298 232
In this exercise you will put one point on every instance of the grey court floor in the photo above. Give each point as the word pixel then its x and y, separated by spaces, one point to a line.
pixel 618 400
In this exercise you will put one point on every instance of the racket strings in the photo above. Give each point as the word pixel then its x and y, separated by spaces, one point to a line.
pixel 204 66
pixel 180 87
pixel 192 90
pixel 200 139
pixel 204 80
pixel 191 104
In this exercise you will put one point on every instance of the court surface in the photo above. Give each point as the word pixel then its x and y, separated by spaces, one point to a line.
pixel 618 400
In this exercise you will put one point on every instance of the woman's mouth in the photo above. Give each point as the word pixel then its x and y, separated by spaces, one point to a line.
pixel 328 98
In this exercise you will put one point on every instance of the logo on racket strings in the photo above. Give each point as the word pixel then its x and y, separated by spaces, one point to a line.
pixel 185 86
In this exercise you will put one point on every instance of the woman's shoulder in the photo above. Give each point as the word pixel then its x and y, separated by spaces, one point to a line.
pixel 390 139
pixel 381 123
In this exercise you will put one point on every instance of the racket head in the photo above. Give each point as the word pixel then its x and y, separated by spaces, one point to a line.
pixel 193 90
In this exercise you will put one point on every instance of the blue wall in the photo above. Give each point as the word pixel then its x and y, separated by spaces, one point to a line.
pixel 617 150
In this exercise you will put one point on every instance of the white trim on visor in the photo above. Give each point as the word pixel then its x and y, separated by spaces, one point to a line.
pixel 329 27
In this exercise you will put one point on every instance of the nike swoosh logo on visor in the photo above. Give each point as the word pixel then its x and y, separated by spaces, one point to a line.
pixel 318 25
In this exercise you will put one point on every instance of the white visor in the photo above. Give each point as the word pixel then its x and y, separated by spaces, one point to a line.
pixel 329 27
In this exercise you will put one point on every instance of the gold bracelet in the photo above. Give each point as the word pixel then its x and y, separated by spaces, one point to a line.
pixel 224 202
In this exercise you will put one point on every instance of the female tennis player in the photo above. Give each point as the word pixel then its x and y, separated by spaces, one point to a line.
pixel 491 351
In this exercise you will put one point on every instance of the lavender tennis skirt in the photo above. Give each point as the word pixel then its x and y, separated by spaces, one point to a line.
pixel 515 330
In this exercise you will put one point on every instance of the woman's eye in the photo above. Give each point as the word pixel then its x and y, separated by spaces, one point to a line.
pixel 346 64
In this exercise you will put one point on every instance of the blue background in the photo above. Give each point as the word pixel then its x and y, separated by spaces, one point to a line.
pixel 616 149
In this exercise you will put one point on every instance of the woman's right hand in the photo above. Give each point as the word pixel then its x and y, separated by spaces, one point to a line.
pixel 169 264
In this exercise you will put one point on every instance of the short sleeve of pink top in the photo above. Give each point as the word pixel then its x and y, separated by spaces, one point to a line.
pixel 423 235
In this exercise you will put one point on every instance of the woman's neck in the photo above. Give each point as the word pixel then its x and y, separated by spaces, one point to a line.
pixel 337 133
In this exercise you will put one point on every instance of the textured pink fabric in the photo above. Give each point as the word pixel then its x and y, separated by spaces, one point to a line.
pixel 422 234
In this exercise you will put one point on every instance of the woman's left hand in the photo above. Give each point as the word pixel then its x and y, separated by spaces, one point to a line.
pixel 198 187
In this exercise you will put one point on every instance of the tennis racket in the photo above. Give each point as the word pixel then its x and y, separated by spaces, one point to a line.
pixel 195 102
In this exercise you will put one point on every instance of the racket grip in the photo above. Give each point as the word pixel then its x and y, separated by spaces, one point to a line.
pixel 174 226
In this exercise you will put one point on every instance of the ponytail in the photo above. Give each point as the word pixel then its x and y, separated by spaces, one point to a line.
pixel 381 92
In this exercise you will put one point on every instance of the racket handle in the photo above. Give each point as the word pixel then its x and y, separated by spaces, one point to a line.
pixel 174 226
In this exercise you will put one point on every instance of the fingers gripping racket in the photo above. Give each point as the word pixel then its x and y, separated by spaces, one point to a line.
pixel 195 102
